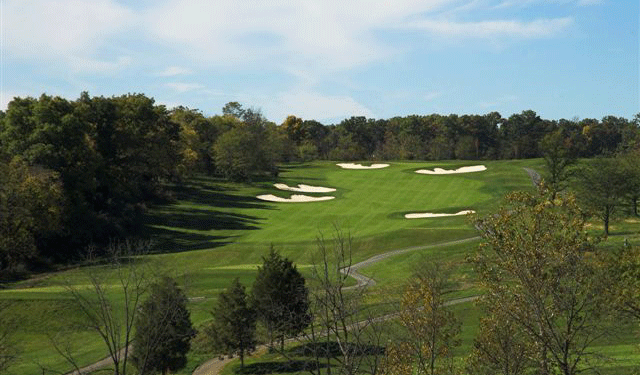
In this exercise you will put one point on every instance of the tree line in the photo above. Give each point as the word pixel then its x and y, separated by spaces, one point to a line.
pixel 83 172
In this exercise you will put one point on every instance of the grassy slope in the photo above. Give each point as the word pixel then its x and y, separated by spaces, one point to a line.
pixel 216 231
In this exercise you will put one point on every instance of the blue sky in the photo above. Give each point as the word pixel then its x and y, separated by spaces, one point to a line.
pixel 331 59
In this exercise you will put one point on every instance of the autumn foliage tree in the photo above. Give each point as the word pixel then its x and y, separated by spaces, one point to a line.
pixel 539 268
pixel 432 327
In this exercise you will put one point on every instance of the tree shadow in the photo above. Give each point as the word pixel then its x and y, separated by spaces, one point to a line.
pixel 171 241
pixel 263 368
pixel 290 169
pixel 333 350
pixel 202 220
pixel 206 205
pixel 215 195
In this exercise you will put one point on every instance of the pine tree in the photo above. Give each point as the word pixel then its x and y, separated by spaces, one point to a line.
pixel 234 326
pixel 281 298
pixel 163 330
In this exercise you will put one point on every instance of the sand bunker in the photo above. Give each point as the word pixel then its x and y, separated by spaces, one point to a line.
pixel 305 188
pixel 360 166
pixel 429 214
pixel 474 168
pixel 294 198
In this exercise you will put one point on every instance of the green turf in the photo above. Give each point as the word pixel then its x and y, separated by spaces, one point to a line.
pixel 216 231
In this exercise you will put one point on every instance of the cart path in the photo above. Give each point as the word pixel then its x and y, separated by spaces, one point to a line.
pixel 363 280
pixel 98 365
pixel 213 366
pixel 535 176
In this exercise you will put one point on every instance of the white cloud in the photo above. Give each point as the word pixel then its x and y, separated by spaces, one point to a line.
pixel 61 28
pixel 80 64
pixel 313 105
pixel 184 87
pixel 174 71
pixel 311 40
pixel 327 35
pixel 541 28
pixel 525 3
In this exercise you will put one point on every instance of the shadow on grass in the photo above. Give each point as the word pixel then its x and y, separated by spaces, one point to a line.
pixel 332 349
pixel 211 205
pixel 262 368
pixel 210 193
pixel 170 241
pixel 290 169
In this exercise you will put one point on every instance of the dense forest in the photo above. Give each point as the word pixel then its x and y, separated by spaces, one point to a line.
pixel 74 173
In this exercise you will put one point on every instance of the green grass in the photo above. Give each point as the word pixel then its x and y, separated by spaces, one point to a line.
pixel 216 231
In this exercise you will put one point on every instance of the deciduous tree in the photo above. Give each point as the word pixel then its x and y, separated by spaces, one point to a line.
pixel 31 204
pixel 125 281
pixel 538 266
pixel 600 188
pixel 501 346
pixel 559 156
pixel 431 327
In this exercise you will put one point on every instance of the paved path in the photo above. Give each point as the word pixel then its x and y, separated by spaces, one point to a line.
pixel 213 366
pixel 98 365
pixel 363 280
pixel 535 176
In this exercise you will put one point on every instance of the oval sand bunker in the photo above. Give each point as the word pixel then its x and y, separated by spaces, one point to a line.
pixel 296 198
pixel 429 214
pixel 360 166
pixel 474 168
pixel 305 188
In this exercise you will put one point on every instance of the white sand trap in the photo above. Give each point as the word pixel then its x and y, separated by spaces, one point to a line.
pixel 360 166
pixel 296 198
pixel 474 168
pixel 305 188
pixel 429 214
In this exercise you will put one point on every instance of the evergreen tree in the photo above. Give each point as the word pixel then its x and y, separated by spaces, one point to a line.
pixel 163 330
pixel 234 326
pixel 281 298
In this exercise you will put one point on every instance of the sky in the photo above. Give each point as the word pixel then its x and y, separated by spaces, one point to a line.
pixel 331 59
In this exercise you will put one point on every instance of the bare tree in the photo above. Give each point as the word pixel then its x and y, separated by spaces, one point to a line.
pixel 111 302
pixel 343 331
